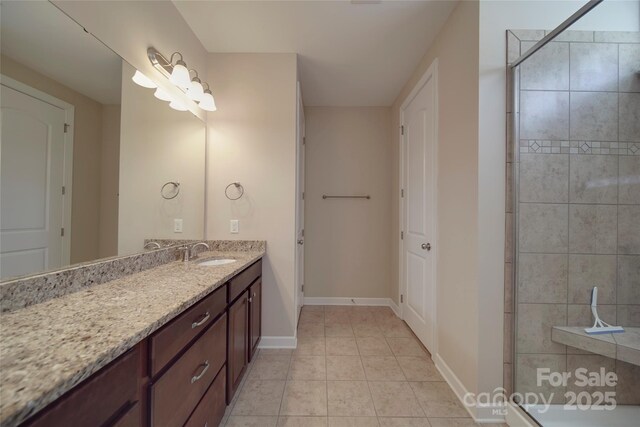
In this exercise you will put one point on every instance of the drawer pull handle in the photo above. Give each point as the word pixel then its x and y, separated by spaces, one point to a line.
pixel 201 374
pixel 201 321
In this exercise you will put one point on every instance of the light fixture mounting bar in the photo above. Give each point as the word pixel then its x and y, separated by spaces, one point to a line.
pixel 161 63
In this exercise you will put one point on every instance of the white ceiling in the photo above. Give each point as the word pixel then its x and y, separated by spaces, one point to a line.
pixel 349 54
pixel 41 37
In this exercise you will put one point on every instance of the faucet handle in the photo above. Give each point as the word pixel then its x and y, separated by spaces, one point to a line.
pixel 185 252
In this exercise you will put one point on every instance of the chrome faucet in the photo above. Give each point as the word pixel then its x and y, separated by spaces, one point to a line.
pixel 152 245
pixel 203 244
pixel 187 251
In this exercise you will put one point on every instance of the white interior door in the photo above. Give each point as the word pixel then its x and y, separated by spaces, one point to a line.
pixel 419 128
pixel 31 180
pixel 300 204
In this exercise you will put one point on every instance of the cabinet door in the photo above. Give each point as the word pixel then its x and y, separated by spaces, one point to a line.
pixel 255 316
pixel 237 343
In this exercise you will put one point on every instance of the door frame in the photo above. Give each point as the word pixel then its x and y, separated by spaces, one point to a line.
pixel 299 261
pixel 67 180
pixel 430 74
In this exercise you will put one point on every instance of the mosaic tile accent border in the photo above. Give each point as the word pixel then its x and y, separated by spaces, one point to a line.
pixel 579 147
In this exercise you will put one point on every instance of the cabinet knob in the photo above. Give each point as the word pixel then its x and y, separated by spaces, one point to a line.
pixel 250 300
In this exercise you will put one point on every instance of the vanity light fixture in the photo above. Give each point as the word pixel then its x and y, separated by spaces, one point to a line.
pixel 143 80
pixel 195 92
pixel 162 94
pixel 177 105
pixel 207 102
pixel 179 75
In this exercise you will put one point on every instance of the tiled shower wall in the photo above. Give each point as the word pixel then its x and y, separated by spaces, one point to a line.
pixel 578 201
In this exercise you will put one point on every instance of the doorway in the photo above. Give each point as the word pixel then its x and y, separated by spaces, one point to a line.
pixel 300 151
pixel 35 184
pixel 418 118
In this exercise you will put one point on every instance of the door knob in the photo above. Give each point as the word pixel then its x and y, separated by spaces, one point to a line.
pixel 426 246
pixel 300 241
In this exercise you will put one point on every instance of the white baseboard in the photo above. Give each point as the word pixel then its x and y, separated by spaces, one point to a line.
pixel 278 342
pixel 516 417
pixel 378 302
pixel 481 414
pixel 395 308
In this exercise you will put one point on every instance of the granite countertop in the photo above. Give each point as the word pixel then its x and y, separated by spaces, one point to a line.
pixel 623 346
pixel 48 348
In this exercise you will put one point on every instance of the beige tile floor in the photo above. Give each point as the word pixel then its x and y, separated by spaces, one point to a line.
pixel 354 367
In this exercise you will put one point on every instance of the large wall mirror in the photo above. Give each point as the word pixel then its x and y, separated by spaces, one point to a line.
pixel 84 151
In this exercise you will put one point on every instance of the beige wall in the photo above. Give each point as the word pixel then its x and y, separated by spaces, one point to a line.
pixel 456 49
pixel 109 177
pixel 252 139
pixel 157 145
pixel 130 27
pixel 347 242
pixel 85 209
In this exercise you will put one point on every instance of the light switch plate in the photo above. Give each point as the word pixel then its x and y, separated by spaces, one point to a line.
pixel 177 225
pixel 234 226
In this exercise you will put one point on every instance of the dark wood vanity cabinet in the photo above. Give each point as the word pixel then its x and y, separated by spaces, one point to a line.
pixel 184 374
pixel 244 323
pixel 237 343
pixel 176 393
pixel 255 316
pixel 108 398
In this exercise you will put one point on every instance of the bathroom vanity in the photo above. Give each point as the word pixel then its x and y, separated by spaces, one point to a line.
pixel 167 346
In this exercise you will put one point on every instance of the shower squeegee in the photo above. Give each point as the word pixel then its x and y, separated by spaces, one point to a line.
pixel 599 326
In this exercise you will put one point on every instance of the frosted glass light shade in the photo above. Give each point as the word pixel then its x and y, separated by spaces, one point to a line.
pixel 180 75
pixel 142 80
pixel 177 105
pixel 208 103
pixel 162 94
pixel 196 91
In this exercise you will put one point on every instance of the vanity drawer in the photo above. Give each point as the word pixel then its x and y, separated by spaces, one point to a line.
pixel 131 418
pixel 238 284
pixel 172 338
pixel 99 399
pixel 177 392
pixel 211 408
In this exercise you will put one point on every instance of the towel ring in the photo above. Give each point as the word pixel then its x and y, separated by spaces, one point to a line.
pixel 176 190
pixel 238 186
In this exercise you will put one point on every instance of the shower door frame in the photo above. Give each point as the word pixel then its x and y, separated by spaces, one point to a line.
pixel 513 132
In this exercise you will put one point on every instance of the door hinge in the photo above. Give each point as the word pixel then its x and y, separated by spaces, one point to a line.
pixel 402 130
pixel 302 288
pixel 62 232
pixel 303 232
pixel 303 195
pixel 64 190
pixel 66 127
pixel 304 140
pixel 402 192
pixel 401 298
pixel 402 235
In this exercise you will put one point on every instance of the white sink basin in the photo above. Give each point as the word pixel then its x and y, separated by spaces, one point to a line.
pixel 215 262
